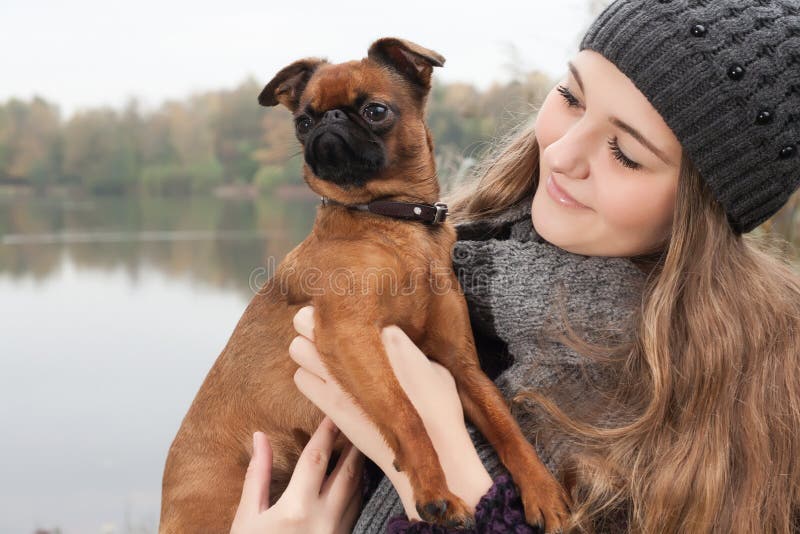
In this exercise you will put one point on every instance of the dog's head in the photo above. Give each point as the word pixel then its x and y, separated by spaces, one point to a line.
pixel 361 123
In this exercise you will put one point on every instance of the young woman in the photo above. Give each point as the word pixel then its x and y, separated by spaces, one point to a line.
pixel 650 348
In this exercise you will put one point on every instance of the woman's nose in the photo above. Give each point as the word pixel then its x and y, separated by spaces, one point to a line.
pixel 568 155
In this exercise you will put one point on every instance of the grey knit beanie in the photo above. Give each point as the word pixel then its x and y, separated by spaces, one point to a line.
pixel 725 76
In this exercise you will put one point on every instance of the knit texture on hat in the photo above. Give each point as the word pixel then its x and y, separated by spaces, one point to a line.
pixel 725 76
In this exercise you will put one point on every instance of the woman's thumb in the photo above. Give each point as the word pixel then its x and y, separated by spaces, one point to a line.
pixel 255 492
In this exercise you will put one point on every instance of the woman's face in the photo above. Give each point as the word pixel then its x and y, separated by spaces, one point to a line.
pixel 608 166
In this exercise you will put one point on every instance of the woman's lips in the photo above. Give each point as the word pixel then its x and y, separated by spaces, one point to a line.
pixel 561 196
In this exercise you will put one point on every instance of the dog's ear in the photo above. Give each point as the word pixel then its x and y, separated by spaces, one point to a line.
pixel 414 62
pixel 287 86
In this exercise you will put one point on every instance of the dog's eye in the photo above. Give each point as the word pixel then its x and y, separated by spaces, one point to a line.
pixel 376 112
pixel 303 124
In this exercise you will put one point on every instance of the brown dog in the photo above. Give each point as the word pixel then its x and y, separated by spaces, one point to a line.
pixel 361 124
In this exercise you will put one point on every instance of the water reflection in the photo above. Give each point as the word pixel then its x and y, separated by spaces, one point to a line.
pixel 214 241
pixel 113 311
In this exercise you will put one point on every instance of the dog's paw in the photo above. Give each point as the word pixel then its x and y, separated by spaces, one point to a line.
pixel 546 508
pixel 451 512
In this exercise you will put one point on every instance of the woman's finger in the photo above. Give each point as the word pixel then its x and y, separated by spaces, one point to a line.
pixel 303 322
pixel 343 481
pixel 402 349
pixel 311 386
pixel 409 364
pixel 329 397
pixel 255 492
pixel 351 513
pixel 445 375
pixel 305 354
pixel 310 470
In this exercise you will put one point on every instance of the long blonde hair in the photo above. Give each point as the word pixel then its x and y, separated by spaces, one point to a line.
pixel 706 433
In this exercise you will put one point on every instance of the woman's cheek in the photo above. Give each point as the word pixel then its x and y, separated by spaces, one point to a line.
pixel 636 211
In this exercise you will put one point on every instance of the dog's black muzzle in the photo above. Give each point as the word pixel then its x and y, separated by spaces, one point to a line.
pixel 343 152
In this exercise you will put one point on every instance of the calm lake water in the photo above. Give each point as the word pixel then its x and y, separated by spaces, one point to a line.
pixel 113 310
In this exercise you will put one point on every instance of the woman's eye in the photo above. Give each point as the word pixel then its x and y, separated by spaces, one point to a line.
pixel 376 112
pixel 303 124
pixel 613 142
pixel 615 150
pixel 569 97
pixel 622 158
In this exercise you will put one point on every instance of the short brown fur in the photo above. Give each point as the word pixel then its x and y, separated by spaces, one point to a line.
pixel 250 386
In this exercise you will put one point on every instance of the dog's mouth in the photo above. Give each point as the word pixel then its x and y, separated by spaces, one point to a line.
pixel 337 155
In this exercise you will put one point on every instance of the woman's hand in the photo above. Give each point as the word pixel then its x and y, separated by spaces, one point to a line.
pixel 431 389
pixel 311 503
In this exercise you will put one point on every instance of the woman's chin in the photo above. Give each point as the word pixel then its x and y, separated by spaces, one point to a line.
pixel 557 224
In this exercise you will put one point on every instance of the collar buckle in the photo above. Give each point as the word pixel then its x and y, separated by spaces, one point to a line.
pixel 441 212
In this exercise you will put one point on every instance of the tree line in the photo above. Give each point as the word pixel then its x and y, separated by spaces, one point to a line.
pixel 220 138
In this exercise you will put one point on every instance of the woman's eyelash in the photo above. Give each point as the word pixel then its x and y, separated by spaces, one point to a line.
pixel 569 97
pixel 622 158
pixel 613 142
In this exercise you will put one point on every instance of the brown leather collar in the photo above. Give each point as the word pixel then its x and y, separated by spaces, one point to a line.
pixel 426 213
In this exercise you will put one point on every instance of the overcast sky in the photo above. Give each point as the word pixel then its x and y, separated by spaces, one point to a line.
pixel 86 53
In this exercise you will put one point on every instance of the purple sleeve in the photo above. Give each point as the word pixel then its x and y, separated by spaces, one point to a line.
pixel 500 510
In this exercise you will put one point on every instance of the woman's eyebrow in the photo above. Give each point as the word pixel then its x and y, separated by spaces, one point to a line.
pixel 639 137
pixel 620 124
pixel 577 76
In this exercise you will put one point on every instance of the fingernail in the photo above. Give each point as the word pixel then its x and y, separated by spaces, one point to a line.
pixel 255 445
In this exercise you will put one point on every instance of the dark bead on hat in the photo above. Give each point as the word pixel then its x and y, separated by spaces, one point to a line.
pixel 764 117
pixel 736 72
pixel 723 74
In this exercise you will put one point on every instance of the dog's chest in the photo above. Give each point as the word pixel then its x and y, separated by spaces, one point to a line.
pixel 352 263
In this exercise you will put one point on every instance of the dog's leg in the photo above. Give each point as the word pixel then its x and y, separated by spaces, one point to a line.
pixel 348 338
pixel 450 342
pixel 201 487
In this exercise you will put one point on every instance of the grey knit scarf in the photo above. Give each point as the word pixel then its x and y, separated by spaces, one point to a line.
pixel 516 283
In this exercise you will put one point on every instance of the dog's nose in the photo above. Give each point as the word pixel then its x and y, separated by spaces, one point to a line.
pixel 334 115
